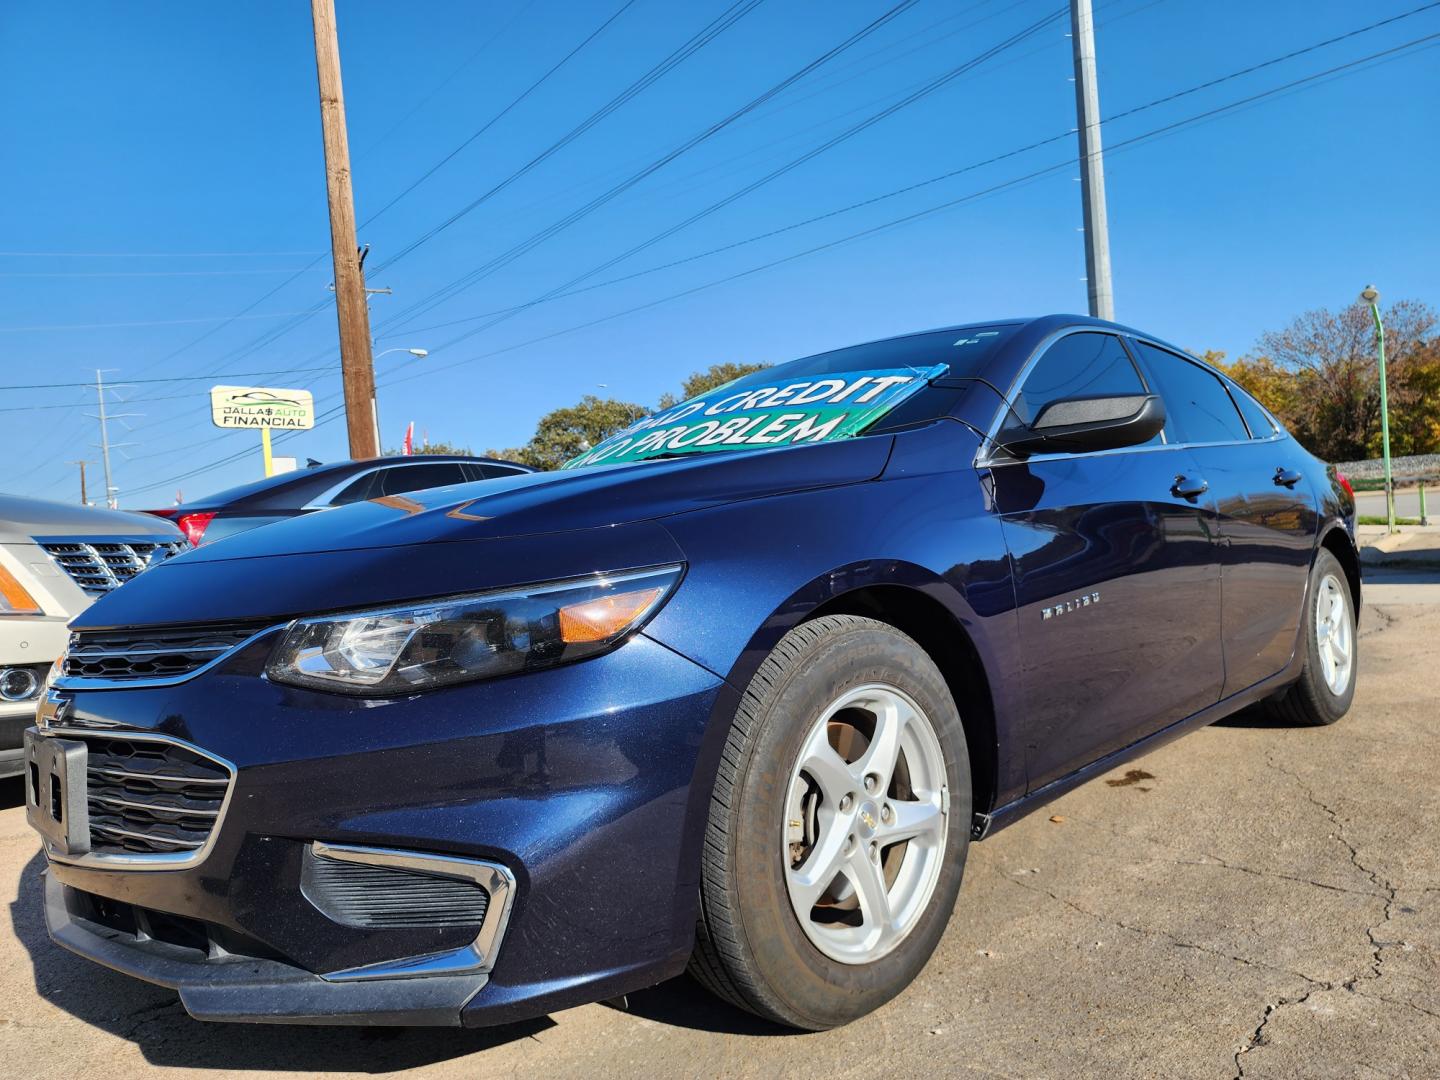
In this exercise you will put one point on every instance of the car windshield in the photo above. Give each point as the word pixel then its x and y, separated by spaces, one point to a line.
pixel 833 395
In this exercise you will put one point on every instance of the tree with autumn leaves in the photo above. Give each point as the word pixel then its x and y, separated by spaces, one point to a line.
pixel 1321 377
pixel 566 433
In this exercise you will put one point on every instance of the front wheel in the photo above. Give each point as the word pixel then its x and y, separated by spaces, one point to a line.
pixel 838 827
pixel 1326 686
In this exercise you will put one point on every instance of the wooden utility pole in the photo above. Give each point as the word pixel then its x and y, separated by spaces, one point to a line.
pixel 356 369
pixel 1092 169
pixel 84 495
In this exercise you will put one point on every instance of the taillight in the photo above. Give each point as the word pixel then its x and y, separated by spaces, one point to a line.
pixel 1340 479
pixel 194 526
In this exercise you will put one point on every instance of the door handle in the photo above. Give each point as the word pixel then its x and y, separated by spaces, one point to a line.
pixel 1286 477
pixel 1186 487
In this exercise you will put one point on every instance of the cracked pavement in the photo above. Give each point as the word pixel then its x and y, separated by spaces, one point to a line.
pixel 1265 903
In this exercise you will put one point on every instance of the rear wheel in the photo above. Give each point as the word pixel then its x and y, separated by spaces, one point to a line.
pixel 1326 685
pixel 838 827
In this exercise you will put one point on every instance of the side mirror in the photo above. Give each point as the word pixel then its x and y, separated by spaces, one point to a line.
pixel 1075 425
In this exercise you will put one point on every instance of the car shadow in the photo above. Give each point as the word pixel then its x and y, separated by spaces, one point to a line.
pixel 1252 716
pixel 682 1002
pixel 153 1019
pixel 12 793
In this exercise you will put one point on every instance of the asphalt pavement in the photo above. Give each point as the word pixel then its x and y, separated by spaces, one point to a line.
pixel 1250 900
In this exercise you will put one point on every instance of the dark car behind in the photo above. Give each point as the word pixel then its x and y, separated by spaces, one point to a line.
pixel 321 487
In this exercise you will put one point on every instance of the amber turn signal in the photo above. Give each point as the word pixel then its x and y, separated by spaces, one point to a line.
pixel 605 617
pixel 14 600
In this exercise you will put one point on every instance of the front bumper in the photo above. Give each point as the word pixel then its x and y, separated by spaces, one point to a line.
pixel 254 989
pixel 576 780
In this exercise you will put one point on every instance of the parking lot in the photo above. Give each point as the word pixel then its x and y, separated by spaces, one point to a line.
pixel 1250 900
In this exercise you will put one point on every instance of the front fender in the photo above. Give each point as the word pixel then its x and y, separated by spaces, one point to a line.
pixel 759 568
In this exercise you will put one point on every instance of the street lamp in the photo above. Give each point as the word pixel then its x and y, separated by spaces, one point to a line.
pixel 1371 297
pixel 419 354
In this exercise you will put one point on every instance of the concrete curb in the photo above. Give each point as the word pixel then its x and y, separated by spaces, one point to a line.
pixel 1412 546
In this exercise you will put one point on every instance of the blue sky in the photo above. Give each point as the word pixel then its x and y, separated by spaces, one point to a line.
pixel 163 172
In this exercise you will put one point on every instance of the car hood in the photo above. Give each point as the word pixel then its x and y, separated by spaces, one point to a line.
pixel 22 519
pixel 467 538
pixel 556 501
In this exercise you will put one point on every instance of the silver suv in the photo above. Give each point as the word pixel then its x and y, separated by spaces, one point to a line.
pixel 54 560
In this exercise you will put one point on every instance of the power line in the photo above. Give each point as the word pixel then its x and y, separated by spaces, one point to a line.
pixel 948 204
pixel 700 40
pixel 144 322
pixel 502 113
pixel 951 174
pixel 146 254
pixel 1058 166
pixel 853 130
pixel 478 273
pixel 446 81
pixel 143 273
pixel 166 379
pixel 1130 143
pixel 712 30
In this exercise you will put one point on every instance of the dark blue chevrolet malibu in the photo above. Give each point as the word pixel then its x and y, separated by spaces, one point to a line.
pixel 735 690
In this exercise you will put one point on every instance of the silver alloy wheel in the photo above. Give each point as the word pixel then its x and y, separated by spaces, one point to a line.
pixel 1334 634
pixel 866 822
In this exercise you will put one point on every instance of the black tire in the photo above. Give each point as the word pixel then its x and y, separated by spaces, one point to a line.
pixel 1309 701
pixel 750 947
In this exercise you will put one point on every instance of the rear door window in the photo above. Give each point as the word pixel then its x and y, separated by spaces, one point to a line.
pixel 1196 401
pixel 1256 418
pixel 497 470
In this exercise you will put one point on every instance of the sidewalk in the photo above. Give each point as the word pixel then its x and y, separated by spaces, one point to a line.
pixel 1412 545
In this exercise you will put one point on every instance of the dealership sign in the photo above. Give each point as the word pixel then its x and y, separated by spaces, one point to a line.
pixel 261 407
pixel 816 409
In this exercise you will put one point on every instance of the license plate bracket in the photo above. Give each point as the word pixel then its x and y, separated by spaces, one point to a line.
pixel 55 797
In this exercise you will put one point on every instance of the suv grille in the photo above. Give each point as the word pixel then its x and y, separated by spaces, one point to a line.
pixel 151 797
pixel 148 654
pixel 101 565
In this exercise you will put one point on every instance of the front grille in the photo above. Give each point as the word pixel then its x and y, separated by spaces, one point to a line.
pixel 148 654
pixel 101 565
pixel 151 797
pixel 381 897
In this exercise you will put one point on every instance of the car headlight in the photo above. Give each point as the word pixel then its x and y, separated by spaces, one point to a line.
pixel 437 642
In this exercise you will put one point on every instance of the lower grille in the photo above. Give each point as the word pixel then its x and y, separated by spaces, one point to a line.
pixel 104 564
pixel 151 797
pixel 148 654
pixel 380 897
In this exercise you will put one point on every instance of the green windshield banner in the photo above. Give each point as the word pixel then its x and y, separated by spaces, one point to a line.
pixel 779 414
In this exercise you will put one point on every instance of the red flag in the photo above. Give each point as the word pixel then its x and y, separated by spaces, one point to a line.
pixel 409 439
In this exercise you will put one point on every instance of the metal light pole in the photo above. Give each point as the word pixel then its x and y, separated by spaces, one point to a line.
pixel 1092 168
pixel 419 354
pixel 1371 297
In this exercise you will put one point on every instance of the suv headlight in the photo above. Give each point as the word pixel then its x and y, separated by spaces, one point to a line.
pixel 437 642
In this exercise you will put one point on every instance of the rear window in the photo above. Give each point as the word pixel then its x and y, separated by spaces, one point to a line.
pixel 824 397
pixel 1256 418
pixel 405 478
